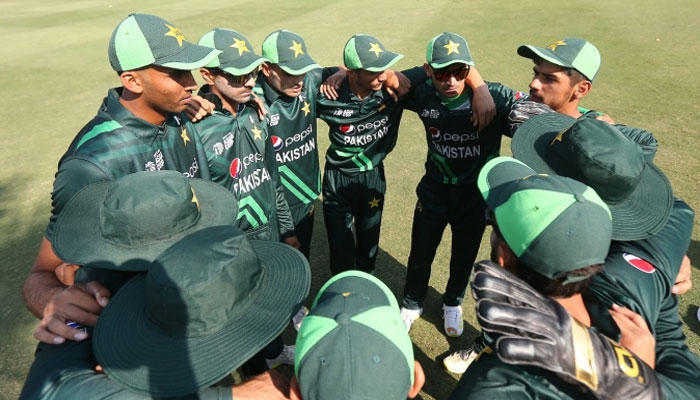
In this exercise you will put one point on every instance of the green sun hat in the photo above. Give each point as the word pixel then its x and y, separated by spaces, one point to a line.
pixel 114 224
pixel 208 303
pixel 570 52
pixel 552 223
pixel 353 344
pixel 288 50
pixel 598 154
pixel 446 49
pixel 237 56
pixel 142 39
pixel 366 52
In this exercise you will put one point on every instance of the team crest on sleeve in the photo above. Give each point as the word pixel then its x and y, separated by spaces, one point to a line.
pixel 639 263
pixel 235 168
pixel 277 143
pixel 519 95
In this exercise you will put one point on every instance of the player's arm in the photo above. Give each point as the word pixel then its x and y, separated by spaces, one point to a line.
pixel 483 106
pixel 330 80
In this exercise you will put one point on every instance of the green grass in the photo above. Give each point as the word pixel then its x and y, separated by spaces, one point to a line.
pixel 55 73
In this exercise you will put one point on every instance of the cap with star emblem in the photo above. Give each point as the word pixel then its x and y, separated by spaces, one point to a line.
pixel 288 50
pixel 598 154
pixel 552 223
pixel 366 52
pixel 447 49
pixel 574 53
pixel 353 344
pixel 237 56
pixel 118 224
pixel 142 39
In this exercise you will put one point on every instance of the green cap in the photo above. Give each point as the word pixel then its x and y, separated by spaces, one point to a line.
pixel 288 50
pixel 208 303
pixel 552 223
pixel 447 49
pixel 574 53
pixel 365 52
pixel 109 224
pixel 142 39
pixel 237 56
pixel 353 344
pixel 598 154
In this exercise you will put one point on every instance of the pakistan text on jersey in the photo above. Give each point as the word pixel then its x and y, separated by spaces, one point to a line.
pixel 284 157
pixel 251 181
pixel 448 151
pixel 364 140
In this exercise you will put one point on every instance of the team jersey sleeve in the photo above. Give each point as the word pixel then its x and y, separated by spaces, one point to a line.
pixel 73 174
pixel 504 98
pixel 67 371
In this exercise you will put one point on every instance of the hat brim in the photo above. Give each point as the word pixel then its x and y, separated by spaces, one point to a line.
pixel 244 70
pixel 192 56
pixel 78 240
pixel 140 357
pixel 640 215
pixel 533 52
pixel 299 71
pixel 448 63
pixel 387 60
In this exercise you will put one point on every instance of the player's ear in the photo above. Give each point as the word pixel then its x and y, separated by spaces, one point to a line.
pixel 207 76
pixel 132 81
pixel 418 380
pixel 266 69
pixel 582 88
pixel 428 71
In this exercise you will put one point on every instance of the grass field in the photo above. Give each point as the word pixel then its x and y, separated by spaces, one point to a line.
pixel 54 73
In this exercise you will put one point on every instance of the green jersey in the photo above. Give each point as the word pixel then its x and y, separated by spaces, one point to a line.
pixel 116 143
pixel 291 122
pixel 456 149
pixel 240 157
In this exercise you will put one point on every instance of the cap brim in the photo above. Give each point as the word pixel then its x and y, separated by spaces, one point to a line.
pixel 533 52
pixel 642 214
pixel 448 63
pixel 299 71
pixel 387 60
pixel 243 70
pixel 192 56
pixel 78 240
pixel 140 357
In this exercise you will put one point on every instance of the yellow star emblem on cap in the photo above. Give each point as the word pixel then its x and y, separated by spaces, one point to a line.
pixel 452 47
pixel 306 109
pixel 559 136
pixel 374 47
pixel 176 33
pixel 240 46
pixel 195 200
pixel 556 44
pixel 184 136
pixel 374 203
pixel 297 48
pixel 257 133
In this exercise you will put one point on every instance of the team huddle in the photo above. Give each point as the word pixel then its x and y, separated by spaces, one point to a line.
pixel 180 236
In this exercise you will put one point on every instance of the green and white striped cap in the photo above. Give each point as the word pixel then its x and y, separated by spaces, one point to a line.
pixel 353 344
pixel 366 52
pixel 570 52
pixel 142 39
pixel 552 223
pixel 237 56
pixel 288 50
pixel 446 49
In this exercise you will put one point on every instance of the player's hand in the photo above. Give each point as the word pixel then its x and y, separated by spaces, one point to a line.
pixel 66 273
pixel 330 86
pixel 522 110
pixel 259 105
pixel 198 108
pixel 268 385
pixel 483 107
pixel 605 118
pixel 534 330
pixel 293 241
pixel 683 281
pixel 635 334
pixel 396 84
pixel 80 303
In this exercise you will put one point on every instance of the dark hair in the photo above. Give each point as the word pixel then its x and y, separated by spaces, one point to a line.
pixel 573 74
pixel 553 287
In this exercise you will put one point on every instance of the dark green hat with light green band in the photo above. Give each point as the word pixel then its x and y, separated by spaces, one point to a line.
pixel 447 49
pixel 598 154
pixel 142 39
pixel 552 223
pixel 288 51
pixel 366 52
pixel 237 56
pixel 353 344
pixel 574 53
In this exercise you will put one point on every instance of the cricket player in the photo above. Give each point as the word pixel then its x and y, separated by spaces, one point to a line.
pixel 553 233
pixel 139 127
pixel 447 193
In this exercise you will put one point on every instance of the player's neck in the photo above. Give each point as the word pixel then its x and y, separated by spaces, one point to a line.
pixel 228 104
pixel 570 109
pixel 575 306
pixel 357 90
pixel 137 106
